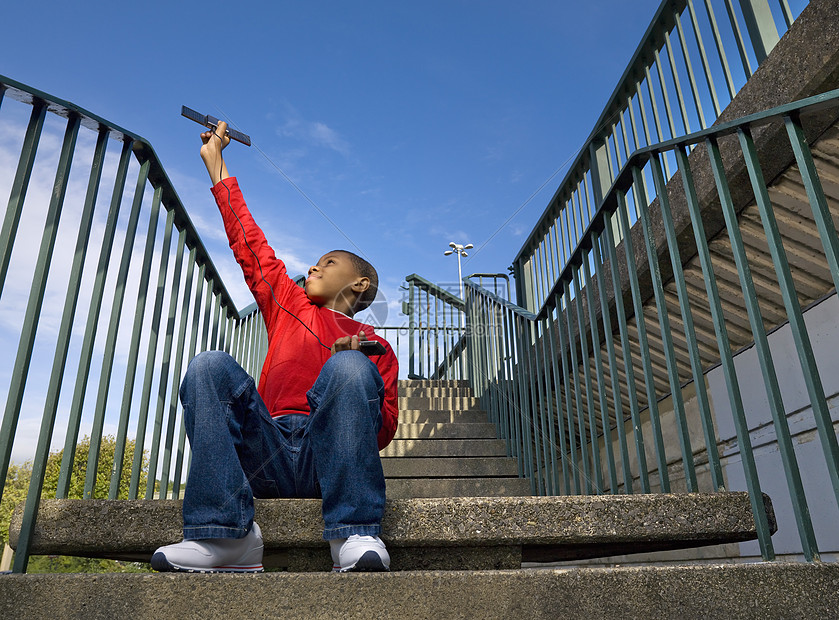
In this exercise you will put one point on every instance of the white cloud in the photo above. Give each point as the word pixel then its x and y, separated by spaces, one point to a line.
pixel 312 133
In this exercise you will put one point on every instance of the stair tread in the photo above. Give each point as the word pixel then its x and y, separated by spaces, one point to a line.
pixel 762 590
pixel 456 448
pixel 545 527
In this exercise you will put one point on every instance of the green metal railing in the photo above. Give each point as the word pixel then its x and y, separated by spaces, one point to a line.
pixel 587 390
pixel 435 327
pixel 184 310
pixel 693 59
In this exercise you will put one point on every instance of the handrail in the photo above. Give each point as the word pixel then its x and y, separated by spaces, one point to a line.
pixel 579 388
pixel 624 179
pixel 200 315
pixel 143 151
pixel 435 326
pixel 649 105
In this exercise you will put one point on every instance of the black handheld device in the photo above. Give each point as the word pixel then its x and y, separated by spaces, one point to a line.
pixel 371 347
pixel 212 123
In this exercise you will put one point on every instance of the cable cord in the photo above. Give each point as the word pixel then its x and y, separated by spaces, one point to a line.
pixel 258 264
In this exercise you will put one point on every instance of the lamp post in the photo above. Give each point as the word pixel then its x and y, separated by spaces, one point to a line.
pixel 460 250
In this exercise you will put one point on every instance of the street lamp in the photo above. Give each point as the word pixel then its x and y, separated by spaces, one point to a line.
pixel 459 249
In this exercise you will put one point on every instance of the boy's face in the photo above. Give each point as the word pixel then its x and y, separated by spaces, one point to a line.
pixel 333 276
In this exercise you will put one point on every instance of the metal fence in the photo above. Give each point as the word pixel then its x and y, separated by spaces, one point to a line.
pixel 185 309
pixel 593 390
pixel 693 59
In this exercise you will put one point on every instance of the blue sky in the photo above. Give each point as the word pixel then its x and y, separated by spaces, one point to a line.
pixel 407 125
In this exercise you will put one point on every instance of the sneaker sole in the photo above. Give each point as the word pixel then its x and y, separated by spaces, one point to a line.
pixel 370 562
pixel 162 565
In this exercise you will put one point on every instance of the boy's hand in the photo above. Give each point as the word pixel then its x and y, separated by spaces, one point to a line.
pixel 348 343
pixel 213 144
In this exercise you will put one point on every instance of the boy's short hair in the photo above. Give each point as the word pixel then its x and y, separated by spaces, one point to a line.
pixel 365 270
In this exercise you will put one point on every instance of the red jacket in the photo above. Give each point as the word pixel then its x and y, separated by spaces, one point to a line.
pixel 294 357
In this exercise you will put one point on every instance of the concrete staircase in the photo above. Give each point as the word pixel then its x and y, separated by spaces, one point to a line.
pixel 446 447
pixel 458 524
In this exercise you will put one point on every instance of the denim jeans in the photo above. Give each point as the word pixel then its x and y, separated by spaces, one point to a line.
pixel 240 452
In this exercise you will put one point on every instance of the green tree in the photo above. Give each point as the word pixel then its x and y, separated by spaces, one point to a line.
pixel 17 486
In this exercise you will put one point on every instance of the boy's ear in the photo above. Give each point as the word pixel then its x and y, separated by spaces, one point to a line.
pixel 361 285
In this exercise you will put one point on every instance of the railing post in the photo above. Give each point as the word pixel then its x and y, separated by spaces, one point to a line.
pixel 761 27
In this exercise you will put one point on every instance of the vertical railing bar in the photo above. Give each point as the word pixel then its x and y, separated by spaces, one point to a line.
pixel 208 302
pixel 552 326
pixel 643 341
pixel 569 381
pixel 530 411
pixel 214 335
pixel 763 353
pixel 598 366
pixel 613 364
pixel 134 347
pixel 176 377
pixel 664 319
pixel 39 463
pixel 113 330
pixel 687 318
pixel 512 363
pixel 223 324
pixel 668 110
pixel 35 302
pixel 788 18
pixel 83 372
pixel 804 347
pixel 654 105
pixel 20 185
pixel 738 36
pixel 799 502
pixel 540 428
pixel 151 354
pixel 412 329
pixel 697 101
pixel 436 335
pixel 732 91
pixel 703 58
pixel 166 360
pixel 553 486
pixel 677 82
pixel 645 124
pixel 193 342
pixel 575 370
pixel 632 389
pixel 815 195
pixel 584 362
pixel 524 405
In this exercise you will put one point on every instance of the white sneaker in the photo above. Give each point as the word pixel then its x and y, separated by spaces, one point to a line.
pixel 212 555
pixel 359 554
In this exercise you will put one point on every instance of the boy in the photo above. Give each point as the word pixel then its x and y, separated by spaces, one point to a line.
pixel 314 428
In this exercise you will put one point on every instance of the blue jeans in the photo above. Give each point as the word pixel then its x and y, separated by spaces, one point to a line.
pixel 240 452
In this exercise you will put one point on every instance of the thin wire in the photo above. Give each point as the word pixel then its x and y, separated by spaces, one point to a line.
pixel 258 264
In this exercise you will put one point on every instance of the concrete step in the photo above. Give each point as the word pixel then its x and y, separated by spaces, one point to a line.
pixel 448 467
pixel 399 488
pixel 445 447
pixel 443 416
pixel 451 430
pixel 433 383
pixel 461 403
pixel 434 392
pixel 741 591
pixel 448 533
